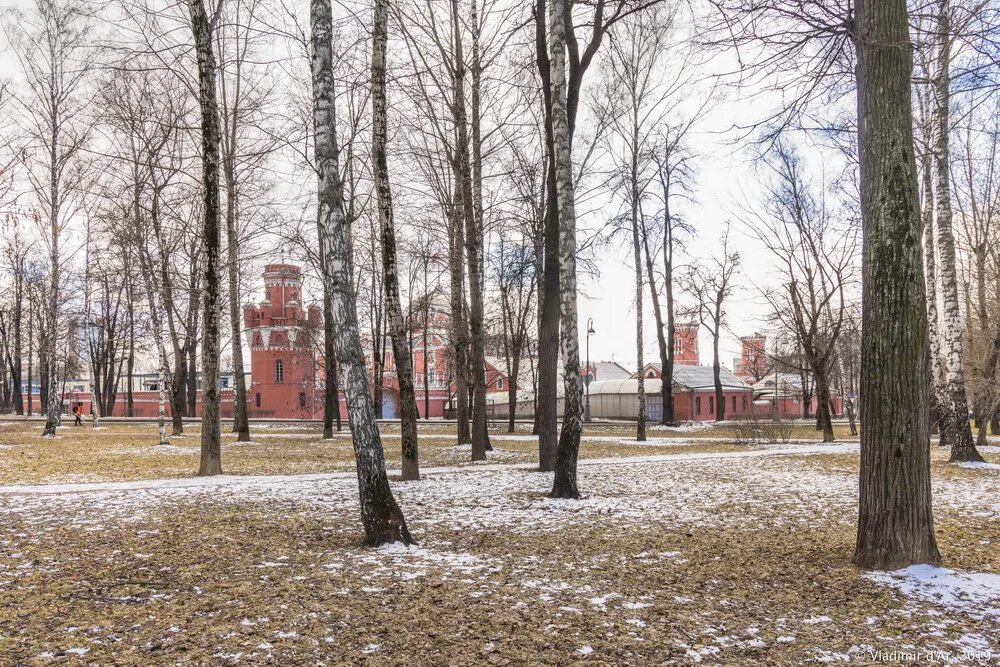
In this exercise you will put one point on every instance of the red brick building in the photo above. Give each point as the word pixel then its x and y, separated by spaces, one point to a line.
pixel 284 338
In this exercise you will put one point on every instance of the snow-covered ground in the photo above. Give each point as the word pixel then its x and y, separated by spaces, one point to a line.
pixel 762 489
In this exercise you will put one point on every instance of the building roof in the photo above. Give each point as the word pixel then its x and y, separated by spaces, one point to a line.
pixel 785 381
pixel 686 378
pixel 609 370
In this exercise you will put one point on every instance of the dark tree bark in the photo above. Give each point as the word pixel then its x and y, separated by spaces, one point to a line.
pixel 382 519
pixel 211 444
pixel 459 330
pixel 548 285
pixel 390 279
pixel 473 245
pixel 895 521
pixel 241 423
pixel 331 388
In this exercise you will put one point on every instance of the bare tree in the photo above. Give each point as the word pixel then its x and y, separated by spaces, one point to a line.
pixel 710 288
pixel 955 429
pixel 394 312
pixel 564 484
pixel 211 445
pixel 895 523
pixel 597 21
pixel 976 174
pixel 382 519
pixel 51 46
pixel 815 262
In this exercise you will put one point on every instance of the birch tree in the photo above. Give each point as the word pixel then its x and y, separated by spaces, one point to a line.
pixel 382 519
pixel 211 445
pixel 390 275
pixel 955 430
pixel 565 482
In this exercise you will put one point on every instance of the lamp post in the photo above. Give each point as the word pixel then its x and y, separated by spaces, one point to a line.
pixel 588 377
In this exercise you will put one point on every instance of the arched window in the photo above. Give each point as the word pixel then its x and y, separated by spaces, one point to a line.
pixel 279 372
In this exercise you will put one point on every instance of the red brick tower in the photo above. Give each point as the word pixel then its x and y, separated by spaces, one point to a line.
pixel 282 338
pixel 686 344
pixel 753 358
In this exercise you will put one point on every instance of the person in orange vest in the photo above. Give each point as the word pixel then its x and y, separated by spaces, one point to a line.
pixel 78 414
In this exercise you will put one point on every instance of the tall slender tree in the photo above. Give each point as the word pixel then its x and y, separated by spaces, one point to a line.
pixel 211 444
pixel 565 481
pixel 398 331
pixel 955 429
pixel 382 519
pixel 50 44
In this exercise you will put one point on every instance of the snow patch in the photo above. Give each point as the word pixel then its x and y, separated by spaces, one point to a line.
pixel 979 465
pixel 974 593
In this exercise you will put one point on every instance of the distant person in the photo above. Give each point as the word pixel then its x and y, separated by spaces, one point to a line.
pixel 78 414
pixel 851 416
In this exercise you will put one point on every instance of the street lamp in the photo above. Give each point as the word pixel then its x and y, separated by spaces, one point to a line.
pixel 588 377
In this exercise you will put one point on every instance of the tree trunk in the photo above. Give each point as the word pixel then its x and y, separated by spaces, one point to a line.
pixel 720 399
pixel 640 394
pixel 390 280
pixel 548 298
pixel 53 396
pixel 192 376
pixel 565 482
pixel 331 392
pixel 955 430
pixel 16 363
pixel 178 387
pixel 459 331
pixel 824 420
pixel 130 360
pixel 241 423
pixel 661 340
pixel 382 519
pixel 473 250
pixel 423 334
pixel 512 400
pixel 895 521
pixel 211 445
pixel 937 391
pixel 991 391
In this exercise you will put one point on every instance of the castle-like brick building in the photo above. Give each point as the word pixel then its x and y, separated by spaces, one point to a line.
pixel 284 340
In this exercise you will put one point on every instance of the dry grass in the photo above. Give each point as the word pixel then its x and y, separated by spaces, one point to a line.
pixel 718 561
pixel 146 593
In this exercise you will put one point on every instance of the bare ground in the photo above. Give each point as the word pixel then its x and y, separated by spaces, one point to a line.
pixel 699 552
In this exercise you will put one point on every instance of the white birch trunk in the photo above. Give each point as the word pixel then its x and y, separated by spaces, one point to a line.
pixel 640 430
pixel 565 483
pixel 937 393
pixel 955 429
pixel 382 519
